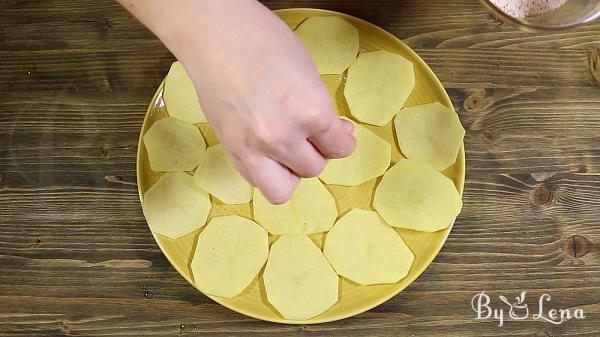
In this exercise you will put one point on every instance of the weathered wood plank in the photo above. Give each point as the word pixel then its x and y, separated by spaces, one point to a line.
pixel 456 68
pixel 75 253
pixel 462 24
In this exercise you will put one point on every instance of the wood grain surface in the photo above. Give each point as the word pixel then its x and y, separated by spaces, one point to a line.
pixel 76 257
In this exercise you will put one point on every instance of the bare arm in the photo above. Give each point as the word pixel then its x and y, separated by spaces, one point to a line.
pixel 259 88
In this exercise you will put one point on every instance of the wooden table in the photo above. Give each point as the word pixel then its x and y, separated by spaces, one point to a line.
pixel 76 257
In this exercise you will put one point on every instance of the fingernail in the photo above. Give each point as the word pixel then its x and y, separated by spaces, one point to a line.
pixel 278 199
pixel 348 125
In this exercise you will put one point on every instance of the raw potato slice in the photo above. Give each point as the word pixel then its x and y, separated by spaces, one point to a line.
pixel 217 175
pixel 173 145
pixel 364 249
pixel 369 160
pixel 229 254
pixel 180 96
pixel 378 85
pixel 310 210
pixel 299 281
pixel 415 196
pixel 333 83
pixel 175 206
pixel 429 133
pixel 331 41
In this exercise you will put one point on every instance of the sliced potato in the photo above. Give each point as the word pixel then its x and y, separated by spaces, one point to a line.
pixel 180 96
pixel 369 160
pixel 175 206
pixel 331 41
pixel 311 209
pixel 299 281
pixel 363 248
pixel 415 196
pixel 333 83
pixel 173 145
pixel 378 85
pixel 229 254
pixel 217 175
pixel 429 133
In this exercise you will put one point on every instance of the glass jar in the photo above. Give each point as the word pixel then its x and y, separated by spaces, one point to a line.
pixel 572 14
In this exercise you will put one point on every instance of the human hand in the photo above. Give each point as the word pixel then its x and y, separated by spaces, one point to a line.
pixel 260 92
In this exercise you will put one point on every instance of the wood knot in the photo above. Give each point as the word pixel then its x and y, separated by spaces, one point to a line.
pixel 148 294
pixel 474 100
pixel 577 246
pixel 489 135
pixel 106 23
pixel 595 64
pixel 103 25
pixel 540 195
pixel 104 150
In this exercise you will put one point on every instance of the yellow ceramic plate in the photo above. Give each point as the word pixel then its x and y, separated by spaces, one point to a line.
pixel 354 299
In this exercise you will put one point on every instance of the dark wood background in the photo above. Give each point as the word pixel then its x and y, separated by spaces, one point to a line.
pixel 76 257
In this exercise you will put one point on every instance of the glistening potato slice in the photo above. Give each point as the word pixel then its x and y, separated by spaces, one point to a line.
pixel 369 160
pixel 180 96
pixel 378 85
pixel 299 281
pixel 415 196
pixel 229 254
pixel 217 175
pixel 364 249
pixel 175 206
pixel 173 145
pixel 333 83
pixel 331 41
pixel 429 133
pixel 310 210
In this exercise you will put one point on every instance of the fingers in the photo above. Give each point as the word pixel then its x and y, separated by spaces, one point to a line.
pixel 335 140
pixel 330 135
pixel 276 182
pixel 243 170
pixel 348 125
pixel 303 159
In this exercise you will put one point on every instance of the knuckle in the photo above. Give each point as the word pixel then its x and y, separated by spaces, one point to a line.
pixel 271 137
pixel 323 126
pixel 316 121
pixel 314 113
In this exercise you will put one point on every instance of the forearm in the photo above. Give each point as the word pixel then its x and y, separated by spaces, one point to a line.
pixel 208 29
pixel 258 86
pixel 173 22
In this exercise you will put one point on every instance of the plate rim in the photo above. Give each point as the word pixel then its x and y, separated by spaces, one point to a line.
pixel 346 314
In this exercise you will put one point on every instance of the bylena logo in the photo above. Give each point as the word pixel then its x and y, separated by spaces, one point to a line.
pixel 483 307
